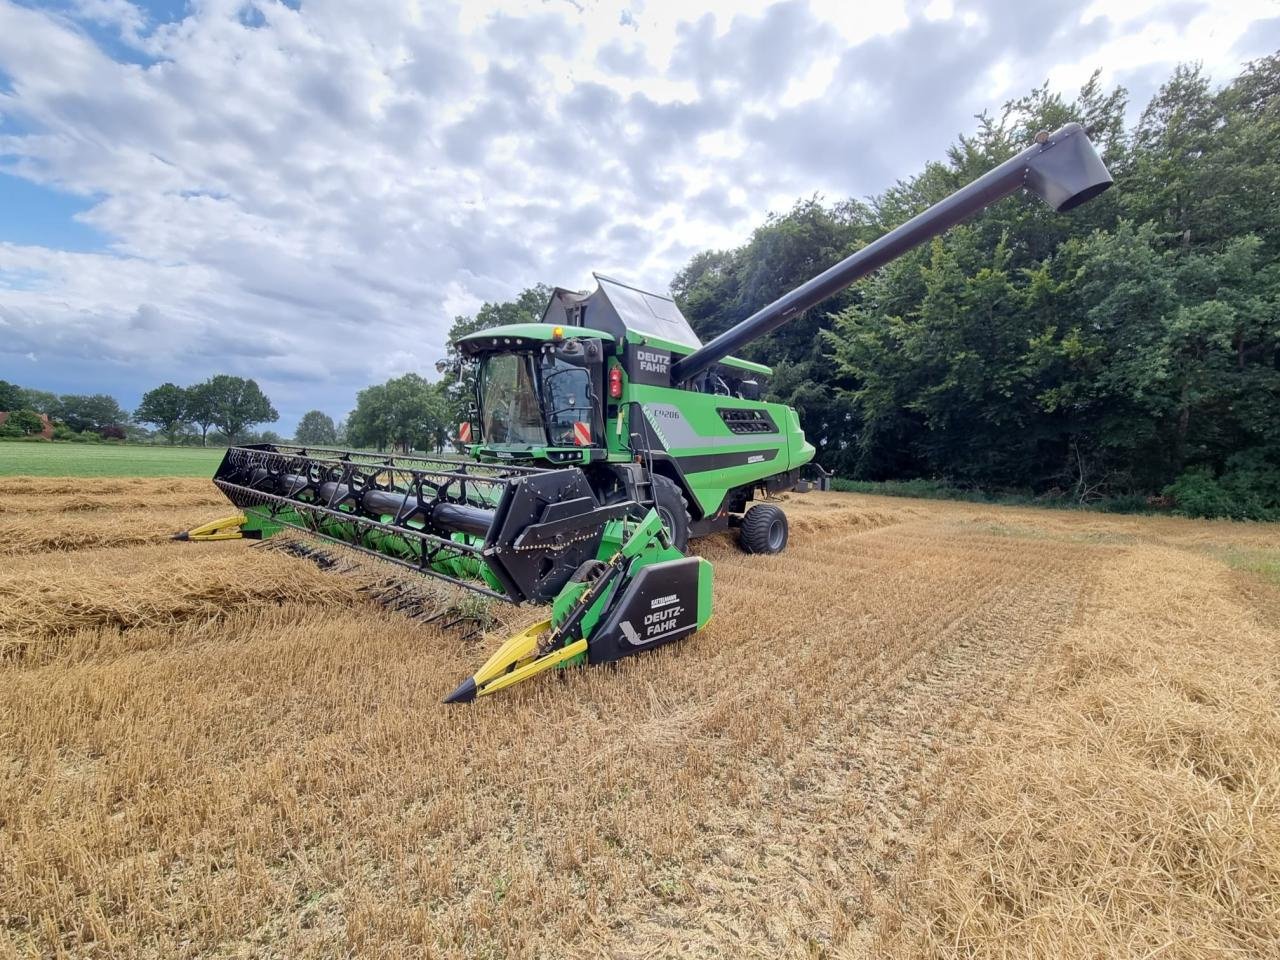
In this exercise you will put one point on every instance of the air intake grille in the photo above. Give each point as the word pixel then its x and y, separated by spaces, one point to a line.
pixel 747 420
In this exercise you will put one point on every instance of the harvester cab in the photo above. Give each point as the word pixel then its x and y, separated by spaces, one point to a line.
pixel 590 385
pixel 603 438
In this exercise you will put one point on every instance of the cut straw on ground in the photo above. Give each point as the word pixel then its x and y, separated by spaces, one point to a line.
pixel 927 729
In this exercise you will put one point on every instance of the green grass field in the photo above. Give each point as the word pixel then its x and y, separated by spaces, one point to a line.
pixel 107 460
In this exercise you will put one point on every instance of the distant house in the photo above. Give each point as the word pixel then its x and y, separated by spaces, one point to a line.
pixel 46 431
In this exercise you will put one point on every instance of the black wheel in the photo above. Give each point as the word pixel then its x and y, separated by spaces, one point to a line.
pixel 671 506
pixel 669 502
pixel 764 529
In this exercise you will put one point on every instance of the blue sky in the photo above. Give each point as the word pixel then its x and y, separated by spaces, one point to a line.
pixel 43 216
pixel 309 193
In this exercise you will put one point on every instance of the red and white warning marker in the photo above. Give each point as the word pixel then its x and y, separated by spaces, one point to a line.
pixel 464 432
pixel 582 433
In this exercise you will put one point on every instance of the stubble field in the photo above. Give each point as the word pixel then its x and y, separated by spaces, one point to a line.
pixel 927 729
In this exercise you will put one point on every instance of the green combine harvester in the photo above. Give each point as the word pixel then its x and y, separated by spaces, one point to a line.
pixel 604 438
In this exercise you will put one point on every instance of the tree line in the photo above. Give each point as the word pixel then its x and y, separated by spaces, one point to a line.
pixel 1126 351
pixel 230 404
pixel 1129 349
pixel 75 413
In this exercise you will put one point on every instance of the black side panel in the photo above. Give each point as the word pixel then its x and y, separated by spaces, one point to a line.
pixel 647 365
pixel 659 605
pixel 540 569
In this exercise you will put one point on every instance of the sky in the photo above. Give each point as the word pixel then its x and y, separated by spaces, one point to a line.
pixel 307 193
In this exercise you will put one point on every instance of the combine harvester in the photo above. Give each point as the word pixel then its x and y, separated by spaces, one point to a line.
pixel 605 437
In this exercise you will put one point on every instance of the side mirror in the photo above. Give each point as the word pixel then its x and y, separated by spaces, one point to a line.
pixel 749 389
pixel 446 366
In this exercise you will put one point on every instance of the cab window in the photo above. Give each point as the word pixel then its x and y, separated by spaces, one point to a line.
pixel 566 391
pixel 509 400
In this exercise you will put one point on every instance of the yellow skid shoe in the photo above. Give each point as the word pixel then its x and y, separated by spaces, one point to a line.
pixel 228 528
pixel 517 659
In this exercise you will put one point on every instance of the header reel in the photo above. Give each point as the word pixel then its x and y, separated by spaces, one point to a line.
pixel 513 533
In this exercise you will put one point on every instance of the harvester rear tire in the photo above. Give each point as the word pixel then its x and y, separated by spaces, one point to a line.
pixel 764 529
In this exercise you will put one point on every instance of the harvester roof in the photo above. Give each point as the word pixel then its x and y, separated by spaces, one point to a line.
pixel 620 309
pixel 514 336
pixel 628 313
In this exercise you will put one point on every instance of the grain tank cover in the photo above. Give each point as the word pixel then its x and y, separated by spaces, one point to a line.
pixel 619 309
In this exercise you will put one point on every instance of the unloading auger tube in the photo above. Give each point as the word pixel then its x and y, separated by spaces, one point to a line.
pixel 1062 168
pixel 528 534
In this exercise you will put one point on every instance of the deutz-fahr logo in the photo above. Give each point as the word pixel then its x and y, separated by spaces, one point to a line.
pixel 650 361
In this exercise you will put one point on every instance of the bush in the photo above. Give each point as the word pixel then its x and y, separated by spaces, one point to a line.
pixel 9 431
pixel 1248 489
pixel 1253 479
pixel 23 423
pixel 62 432
pixel 112 432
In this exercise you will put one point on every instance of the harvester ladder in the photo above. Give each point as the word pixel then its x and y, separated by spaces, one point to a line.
pixel 642 450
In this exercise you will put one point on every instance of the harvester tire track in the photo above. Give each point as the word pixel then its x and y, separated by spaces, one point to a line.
pixel 895 746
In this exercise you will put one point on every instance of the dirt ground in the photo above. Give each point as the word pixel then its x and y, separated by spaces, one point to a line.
pixel 926 729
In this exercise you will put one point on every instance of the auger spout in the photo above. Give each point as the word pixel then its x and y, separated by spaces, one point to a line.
pixel 1062 168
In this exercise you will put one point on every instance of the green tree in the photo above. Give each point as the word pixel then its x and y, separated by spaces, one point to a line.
pixel 95 411
pixel 165 408
pixel 404 413
pixel 233 404
pixel 316 429
pixel 11 396
pixel 368 424
pixel 41 401
pixel 26 423
pixel 201 410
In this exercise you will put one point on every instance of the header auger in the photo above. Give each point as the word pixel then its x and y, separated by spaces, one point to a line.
pixel 602 439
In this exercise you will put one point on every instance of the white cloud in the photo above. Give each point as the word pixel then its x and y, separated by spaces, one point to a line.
pixel 309 196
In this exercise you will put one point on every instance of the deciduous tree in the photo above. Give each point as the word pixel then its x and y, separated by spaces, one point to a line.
pixel 316 429
pixel 234 403
pixel 166 408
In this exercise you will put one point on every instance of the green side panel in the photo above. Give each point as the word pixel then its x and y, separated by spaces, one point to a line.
pixel 711 456
pixel 257 520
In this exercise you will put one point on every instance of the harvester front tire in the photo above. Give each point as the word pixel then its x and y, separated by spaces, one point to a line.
pixel 668 500
pixel 764 529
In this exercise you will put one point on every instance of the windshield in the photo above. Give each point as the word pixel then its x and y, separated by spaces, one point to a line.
pixel 509 400
pixel 509 411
